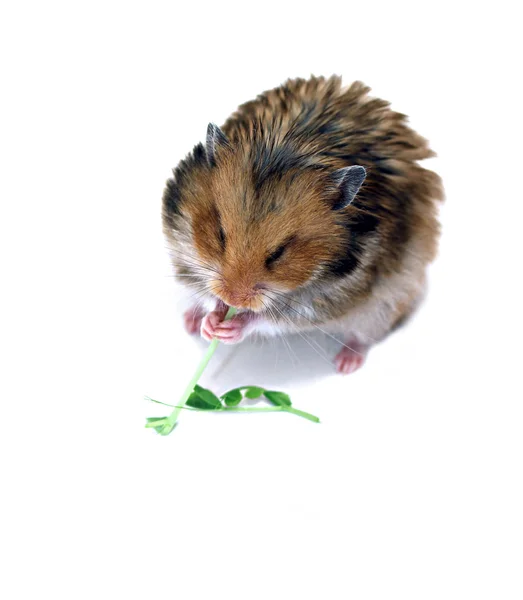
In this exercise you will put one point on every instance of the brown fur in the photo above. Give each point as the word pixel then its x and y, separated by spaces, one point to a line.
pixel 270 184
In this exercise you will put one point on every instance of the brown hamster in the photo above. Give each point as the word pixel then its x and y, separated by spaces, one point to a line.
pixel 306 209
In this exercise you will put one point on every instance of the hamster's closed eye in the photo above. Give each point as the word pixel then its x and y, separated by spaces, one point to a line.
pixel 221 236
pixel 277 254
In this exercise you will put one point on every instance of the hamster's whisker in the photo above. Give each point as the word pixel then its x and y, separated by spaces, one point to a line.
pixel 196 283
pixel 285 341
pixel 197 279
pixel 197 297
pixel 195 262
pixel 318 328
pixel 306 339
pixel 202 284
pixel 198 288
pixel 200 293
pixel 288 320
pixel 314 324
pixel 288 298
pixel 194 280
pixel 197 268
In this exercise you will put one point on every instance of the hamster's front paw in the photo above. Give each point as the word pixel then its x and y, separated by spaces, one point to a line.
pixel 228 332
pixel 192 319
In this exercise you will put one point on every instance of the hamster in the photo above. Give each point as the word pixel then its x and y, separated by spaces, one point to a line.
pixel 306 209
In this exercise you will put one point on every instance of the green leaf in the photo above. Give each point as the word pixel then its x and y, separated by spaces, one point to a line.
pixel 233 397
pixel 160 424
pixel 278 398
pixel 166 428
pixel 253 392
pixel 155 421
pixel 208 396
pixel 203 401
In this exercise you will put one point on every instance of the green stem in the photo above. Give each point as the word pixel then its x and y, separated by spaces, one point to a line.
pixel 158 402
pixel 173 417
pixel 301 413
pixel 289 409
pixel 251 409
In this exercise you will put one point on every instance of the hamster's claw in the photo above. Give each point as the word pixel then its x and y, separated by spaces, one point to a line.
pixel 350 359
pixel 192 319
pixel 228 332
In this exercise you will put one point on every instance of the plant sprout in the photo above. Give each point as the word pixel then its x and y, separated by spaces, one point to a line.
pixel 198 398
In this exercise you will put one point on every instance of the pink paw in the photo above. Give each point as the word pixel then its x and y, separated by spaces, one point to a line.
pixel 192 319
pixel 228 332
pixel 349 360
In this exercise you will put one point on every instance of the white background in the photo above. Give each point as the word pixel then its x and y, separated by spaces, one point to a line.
pixel 411 487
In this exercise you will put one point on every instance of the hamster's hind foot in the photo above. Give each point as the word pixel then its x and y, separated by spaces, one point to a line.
pixel 351 357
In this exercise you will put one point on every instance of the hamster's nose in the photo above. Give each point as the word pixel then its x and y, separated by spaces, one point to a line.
pixel 240 297
pixel 243 297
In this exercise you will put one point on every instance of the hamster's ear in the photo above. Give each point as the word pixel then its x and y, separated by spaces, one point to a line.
pixel 215 138
pixel 348 180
